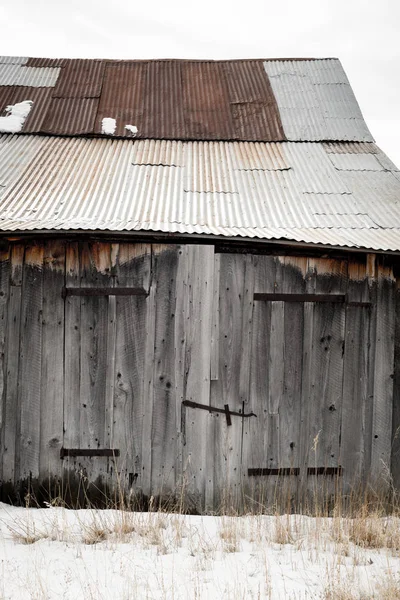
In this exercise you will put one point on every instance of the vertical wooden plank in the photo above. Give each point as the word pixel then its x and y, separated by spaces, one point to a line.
pixel 226 390
pixel 383 379
pixel 198 288
pixel 215 320
pixel 164 425
pixel 130 403
pixel 72 344
pixel 148 392
pixel 12 409
pixel 395 458
pixel 30 366
pixel 52 378
pixel 95 270
pixel 355 379
pixel 4 298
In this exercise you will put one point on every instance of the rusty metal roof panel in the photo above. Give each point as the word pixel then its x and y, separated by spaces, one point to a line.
pixel 316 101
pixel 80 79
pixel 65 115
pixel 206 102
pixel 41 98
pixel 163 115
pixel 46 62
pixel 246 100
pixel 252 102
pixel 281 191
pixel 123 96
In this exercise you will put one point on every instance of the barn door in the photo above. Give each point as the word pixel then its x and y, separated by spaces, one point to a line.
pixel 292 448
pixel 105 320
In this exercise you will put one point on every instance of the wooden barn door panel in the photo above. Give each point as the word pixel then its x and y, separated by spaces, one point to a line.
pixel 104 349
pixel 321 399
pixel 296 381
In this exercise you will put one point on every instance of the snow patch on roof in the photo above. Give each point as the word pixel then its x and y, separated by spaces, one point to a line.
pixel 132 128
pixel 108 126
pixel 17 114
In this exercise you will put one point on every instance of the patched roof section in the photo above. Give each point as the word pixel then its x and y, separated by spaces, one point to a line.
pixel 238 100
pixel 312 193
pixel 316 102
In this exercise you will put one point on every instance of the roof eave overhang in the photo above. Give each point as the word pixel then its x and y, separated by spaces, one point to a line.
pixel 193 238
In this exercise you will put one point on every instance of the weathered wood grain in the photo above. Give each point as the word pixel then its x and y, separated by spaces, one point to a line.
pixel 133 268
pixel 95 270
pixel 52 377
pixel 194 310
pixel 383 379
pixel 226 390
pixel 164 425
pixel 355 380
pixel 30 364
pixel 4 296
pixel 395 458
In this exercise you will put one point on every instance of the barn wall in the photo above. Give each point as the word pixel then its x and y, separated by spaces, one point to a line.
pixel 304 388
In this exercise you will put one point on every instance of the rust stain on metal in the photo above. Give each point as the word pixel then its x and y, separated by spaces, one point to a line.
pixel 67 116
pixel 253 105
pixel 163 102
pixel 46 62
pixel 206 102
pixel 80 79
pixel 123 96
pixel 41 98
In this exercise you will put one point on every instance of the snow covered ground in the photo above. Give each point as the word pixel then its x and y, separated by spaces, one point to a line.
pixel 56 553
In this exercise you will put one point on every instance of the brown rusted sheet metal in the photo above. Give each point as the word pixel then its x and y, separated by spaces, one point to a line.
pixel 206 102
pixel 46 62
pixel 6 96
pixel 80 79
pixel 253 105
pixel 123 96
pixel 71 116
pixel 41 98
pixel 163 102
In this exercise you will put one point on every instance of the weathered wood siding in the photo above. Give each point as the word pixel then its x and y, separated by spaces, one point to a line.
pixel 112 383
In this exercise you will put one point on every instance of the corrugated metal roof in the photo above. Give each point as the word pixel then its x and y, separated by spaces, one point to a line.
pixel 80 79
pixel 64 113
pixel 16 74
pixel 316 101
pixel 247 100
pixel 282 191
pixel 13 60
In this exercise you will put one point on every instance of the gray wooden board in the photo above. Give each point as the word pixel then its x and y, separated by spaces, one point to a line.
pixel 395 458
pixel 194 310
pixel 164 426
pixel 383 379
pixel 30 364
pixel 127 371
pixel 12 410
pixel 4 298
pixel 355 399
pixel 226 390
pixel 52 379
pixel 95 270
pixel 129 403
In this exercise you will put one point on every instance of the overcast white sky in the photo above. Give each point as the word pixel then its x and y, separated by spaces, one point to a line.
pixel 365 35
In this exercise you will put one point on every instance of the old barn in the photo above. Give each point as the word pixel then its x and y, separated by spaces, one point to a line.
pixel 199 275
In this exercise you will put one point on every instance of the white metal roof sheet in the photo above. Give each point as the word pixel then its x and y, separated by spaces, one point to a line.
pixel 315 101
pixel 17 74
pixel 268 191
